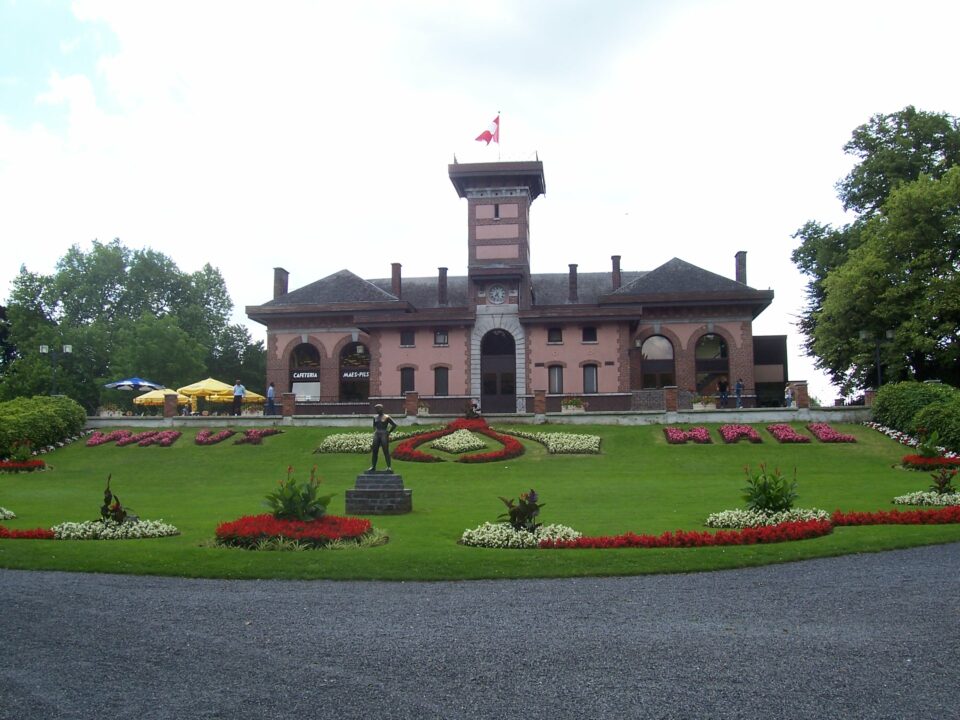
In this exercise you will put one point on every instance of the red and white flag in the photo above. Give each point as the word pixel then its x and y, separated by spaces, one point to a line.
pixel 491 133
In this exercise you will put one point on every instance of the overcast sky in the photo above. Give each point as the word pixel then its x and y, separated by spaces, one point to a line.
pixel 316 136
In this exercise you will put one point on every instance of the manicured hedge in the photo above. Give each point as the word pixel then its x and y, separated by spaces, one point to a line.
pixel 41 421
pixel 897 404
pixel 944 418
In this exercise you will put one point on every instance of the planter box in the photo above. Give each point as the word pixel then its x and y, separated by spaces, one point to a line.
pixel 572 408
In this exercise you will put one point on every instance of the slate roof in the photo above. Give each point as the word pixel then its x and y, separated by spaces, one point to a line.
pixel 677 276
pixel 554 288
pixel 341 287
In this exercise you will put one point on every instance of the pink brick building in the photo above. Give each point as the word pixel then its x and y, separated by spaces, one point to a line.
pixel 516 341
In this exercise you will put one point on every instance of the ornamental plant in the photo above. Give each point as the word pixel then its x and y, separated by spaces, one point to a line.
pixel 207 437
pixel 7 514
pixel 522 515
pixel 563 443
pixel 255 436
pixel 769 492
pixel 734 433
pixel 252 530
pixel 929 445
pixel 460 441
pixel 927 498
pixel 299 501
pixel 943 481
pixel 824 433
pixel 784 433
pixel 679 436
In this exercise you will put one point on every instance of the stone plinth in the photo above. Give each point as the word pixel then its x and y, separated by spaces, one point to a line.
pixel 379 493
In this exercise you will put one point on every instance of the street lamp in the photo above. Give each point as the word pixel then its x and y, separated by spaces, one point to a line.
pixel 54 354
pixel 877 341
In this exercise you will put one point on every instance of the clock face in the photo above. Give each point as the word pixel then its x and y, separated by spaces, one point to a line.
pixel 497 294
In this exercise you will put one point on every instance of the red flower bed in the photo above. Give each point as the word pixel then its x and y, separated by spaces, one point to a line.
pixel 476 424
pixel 249 530
pixel 22 465
pixel 919 462
pixel 786 434
pixel 679 436
pixel 511 449
pixel 100 438
pixel 783 532
pixel 733 433
pixel 824 433
pixel 206 437
pixel 407 450
pixel 255 436
pixel 164 438
pixel 35 534
pixel 938 516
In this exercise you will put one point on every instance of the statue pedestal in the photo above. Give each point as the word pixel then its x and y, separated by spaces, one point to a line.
pixel 379 493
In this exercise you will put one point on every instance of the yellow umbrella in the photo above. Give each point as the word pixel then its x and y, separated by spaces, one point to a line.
pixel 206 388
pixel 155 397
pixel 250 397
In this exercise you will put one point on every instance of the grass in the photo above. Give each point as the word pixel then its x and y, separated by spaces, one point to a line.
pixel 638 483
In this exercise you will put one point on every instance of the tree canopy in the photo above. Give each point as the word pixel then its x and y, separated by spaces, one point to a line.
pixel 896 267
pixel 124 312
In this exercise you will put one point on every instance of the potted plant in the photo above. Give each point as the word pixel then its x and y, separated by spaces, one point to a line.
pixel 423 408
pixel 702 402
pixel 572 405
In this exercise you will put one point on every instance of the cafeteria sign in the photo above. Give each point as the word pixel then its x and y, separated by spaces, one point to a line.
pixel 305 376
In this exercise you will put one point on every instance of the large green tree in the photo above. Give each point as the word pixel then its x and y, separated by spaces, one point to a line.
pixel 889 269
pixel 124 312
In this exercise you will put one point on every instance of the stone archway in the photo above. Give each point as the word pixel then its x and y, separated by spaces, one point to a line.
pixel 498 372
pixel 510 324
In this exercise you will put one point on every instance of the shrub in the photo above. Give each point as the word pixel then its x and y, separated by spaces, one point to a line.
pixel 39 421
pixel 942 418
pixel 769 492
pixel 293 500
pixel 897 404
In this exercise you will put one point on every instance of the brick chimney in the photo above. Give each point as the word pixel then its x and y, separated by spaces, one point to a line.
pixel 395 286
pixel 572 295
pixel 280 279
pixel 615 277
pixel 442 286
pixel 742 266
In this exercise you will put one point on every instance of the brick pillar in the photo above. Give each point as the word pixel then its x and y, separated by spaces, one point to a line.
pixel 800 395
pixel 288 404
pixel 670 398
pixel 170 405
pixel 869 396
pixel 410 402
pixel 539 402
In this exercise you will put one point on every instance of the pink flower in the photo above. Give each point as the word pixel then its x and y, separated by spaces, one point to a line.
pixel 733 433
pixel 786 434
pixel 824 433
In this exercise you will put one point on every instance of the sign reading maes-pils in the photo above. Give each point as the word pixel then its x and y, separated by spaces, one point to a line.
pixel 299 376
pixel 355 374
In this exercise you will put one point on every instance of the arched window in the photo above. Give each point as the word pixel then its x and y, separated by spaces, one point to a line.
pixel 657 362
pixel 712 362
pixel 304 355
pixel 354 373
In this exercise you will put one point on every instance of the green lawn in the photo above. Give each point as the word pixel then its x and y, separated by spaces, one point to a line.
pixel 638 483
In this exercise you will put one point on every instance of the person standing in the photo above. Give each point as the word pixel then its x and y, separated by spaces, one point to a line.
pixel 788 397
pixel 271 396
pixel 383 424
pixel 724 388
pixel 738 392
pixel 238 392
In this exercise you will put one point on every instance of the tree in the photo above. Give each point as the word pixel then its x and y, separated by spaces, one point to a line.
pixel 894 266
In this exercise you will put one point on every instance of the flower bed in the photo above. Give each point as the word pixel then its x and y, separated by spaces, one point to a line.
pixel 824 433
pixel 100 438
pixel 255 436
pixel 784 433
pixel 15 466
pixel 562 443
pixel 735 433
pixel 511 449
pixel 7 514
pixel 407 450
pixel 34 534
pixel 459 441
pixel 941 516
pixel 919 462
pixel 755 518
pixel 110 530
pixel 248 531
pixel 679 436
pixel 504 535
pixel 164 438
pixel 681 538
pixel 207 437
pixel 358 443
pixel 928 497
pixel 905 439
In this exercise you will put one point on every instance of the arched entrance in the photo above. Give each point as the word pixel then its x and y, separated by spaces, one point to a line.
pixel 305 372
pixel 498 372
pixel 354 373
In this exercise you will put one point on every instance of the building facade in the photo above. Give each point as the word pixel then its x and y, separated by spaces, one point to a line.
pixel 505 337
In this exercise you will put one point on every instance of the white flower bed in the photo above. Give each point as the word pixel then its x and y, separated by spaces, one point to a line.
pixel 928 498
pixel 109 530
pixel 458 442
pixel 503 535
pixel 755 518
pixel 7 514
pixel 905 439
pixel 563 443
pixel 353 442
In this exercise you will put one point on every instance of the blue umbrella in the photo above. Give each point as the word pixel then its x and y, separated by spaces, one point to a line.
pixel 134 383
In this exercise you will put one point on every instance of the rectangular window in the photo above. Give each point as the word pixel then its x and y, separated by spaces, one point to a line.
pixel 408 338
pixel 589 334
pixel 554 335
pixel 441 381
pixel 406 380
pixel 590 379
pixel 556 379
pixel 440 337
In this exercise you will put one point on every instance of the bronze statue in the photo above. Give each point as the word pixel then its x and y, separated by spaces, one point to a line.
pixel 383 424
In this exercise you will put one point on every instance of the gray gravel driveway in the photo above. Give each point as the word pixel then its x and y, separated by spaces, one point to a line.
pixel 863 636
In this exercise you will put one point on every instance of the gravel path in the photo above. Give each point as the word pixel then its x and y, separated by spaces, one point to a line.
pixel 864 636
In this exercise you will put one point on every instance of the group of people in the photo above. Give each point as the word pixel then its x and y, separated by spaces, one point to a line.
pixel 240 392
pixel 723 387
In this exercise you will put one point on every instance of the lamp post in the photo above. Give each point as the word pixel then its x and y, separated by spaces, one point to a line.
pixel 54 354
pixel 877 341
